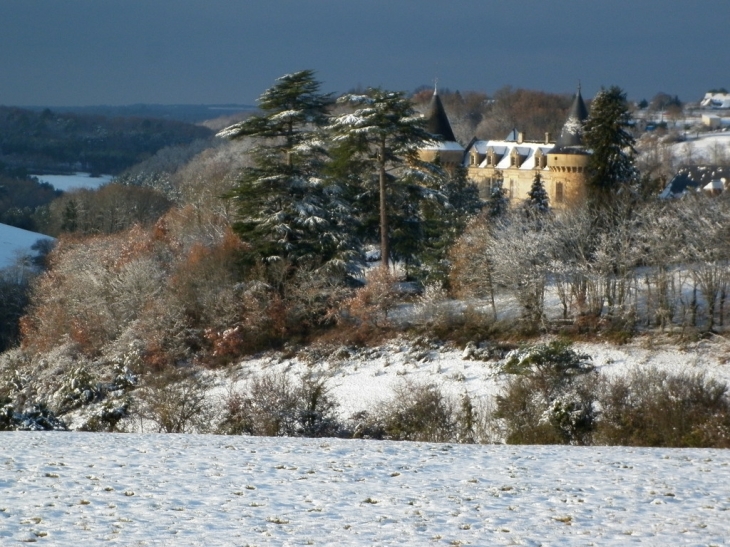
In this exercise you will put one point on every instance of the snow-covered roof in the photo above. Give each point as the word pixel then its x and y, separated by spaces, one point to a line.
pixel 504 149
pixel 696 177
pixel 444 145
pixel 716 100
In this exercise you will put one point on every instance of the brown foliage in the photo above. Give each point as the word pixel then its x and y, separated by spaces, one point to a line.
pixel 365 315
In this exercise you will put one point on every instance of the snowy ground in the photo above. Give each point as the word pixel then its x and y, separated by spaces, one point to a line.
pixel 16 243
pixel 360 380
pixel 69 488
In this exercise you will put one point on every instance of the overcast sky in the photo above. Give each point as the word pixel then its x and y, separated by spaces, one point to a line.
pixel 117 52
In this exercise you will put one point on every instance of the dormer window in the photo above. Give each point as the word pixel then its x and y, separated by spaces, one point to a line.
pixel 540 160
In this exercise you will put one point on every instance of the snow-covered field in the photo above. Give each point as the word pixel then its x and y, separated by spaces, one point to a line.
pixel 179 490
pixel 711 148
pixel 16 243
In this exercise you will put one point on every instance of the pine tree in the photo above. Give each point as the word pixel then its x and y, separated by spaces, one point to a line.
pixel 611 164
pixel 386 130
pixel 498 202
pixel 538 201
pixel 285 211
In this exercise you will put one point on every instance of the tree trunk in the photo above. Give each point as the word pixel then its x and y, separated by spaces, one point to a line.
pixel 384 242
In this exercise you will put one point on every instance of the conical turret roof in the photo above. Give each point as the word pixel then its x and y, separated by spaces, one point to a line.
pixel 437 123
pixel 572 133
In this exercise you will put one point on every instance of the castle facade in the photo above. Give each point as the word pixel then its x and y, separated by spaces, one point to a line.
pixel 515 161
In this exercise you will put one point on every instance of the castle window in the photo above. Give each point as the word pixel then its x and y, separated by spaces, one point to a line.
pixel 559 196
pixel 511 188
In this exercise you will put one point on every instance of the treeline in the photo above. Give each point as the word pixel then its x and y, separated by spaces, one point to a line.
pixel 47 141
pixel 476 114
pixel 21 197
pixel 633 265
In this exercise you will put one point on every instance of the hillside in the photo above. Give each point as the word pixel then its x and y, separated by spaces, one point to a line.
pixel 49 141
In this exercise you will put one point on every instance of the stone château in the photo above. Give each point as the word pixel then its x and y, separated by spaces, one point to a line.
pixel 515 160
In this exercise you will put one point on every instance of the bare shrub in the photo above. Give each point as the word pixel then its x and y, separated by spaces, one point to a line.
pixel 274 405
pixel 176 402
pixel 416 412
pixel 656 408
pixel 365 316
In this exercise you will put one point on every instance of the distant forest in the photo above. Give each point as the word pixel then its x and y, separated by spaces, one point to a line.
pixel 189 113
pixel 47 141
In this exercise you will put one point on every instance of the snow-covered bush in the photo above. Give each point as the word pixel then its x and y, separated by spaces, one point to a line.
pixel 33 417
pixel 176 401
pixel 277 405
pixel 550 396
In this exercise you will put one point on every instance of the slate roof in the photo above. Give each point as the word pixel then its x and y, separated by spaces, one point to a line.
pixel 571 136
pixel 696 177
pixel 437 123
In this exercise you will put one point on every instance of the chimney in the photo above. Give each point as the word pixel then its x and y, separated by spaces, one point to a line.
pixel 520 137
pixel 547 137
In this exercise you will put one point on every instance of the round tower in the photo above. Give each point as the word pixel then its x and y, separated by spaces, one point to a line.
pixel 568 160
pixel 445 151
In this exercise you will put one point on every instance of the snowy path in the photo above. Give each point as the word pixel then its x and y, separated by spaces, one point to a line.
pixel 66 488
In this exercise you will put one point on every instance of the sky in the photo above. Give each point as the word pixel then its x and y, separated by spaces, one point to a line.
pixel 119 52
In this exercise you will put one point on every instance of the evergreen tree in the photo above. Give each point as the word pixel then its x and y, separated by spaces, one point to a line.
pixel 386 130
pixel 444 219
pixel 285 210
pixel 538 201
pixel 611 164
pixel 498 202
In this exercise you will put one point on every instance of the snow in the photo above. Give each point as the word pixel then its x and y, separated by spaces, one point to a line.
pixel 504 149
pixel 444 145
pixel 362 378
pixel 16 243
pixel 62 489
pixel 77 180
pixel 705 148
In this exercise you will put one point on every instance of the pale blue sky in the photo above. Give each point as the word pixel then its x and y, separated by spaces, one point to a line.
pixel 90 52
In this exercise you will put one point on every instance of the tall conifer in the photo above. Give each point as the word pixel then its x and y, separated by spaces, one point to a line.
pixel 285 211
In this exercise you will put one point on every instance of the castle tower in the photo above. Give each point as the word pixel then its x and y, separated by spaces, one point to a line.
pixel 447 152
pixel 568 160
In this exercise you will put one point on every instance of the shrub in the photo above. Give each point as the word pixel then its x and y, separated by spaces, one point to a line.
pixel 176 402
pixel 655 408
pixel 274 405
pixel 549 399
pixel 34 417
pixel 416 412
pixel 370 306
